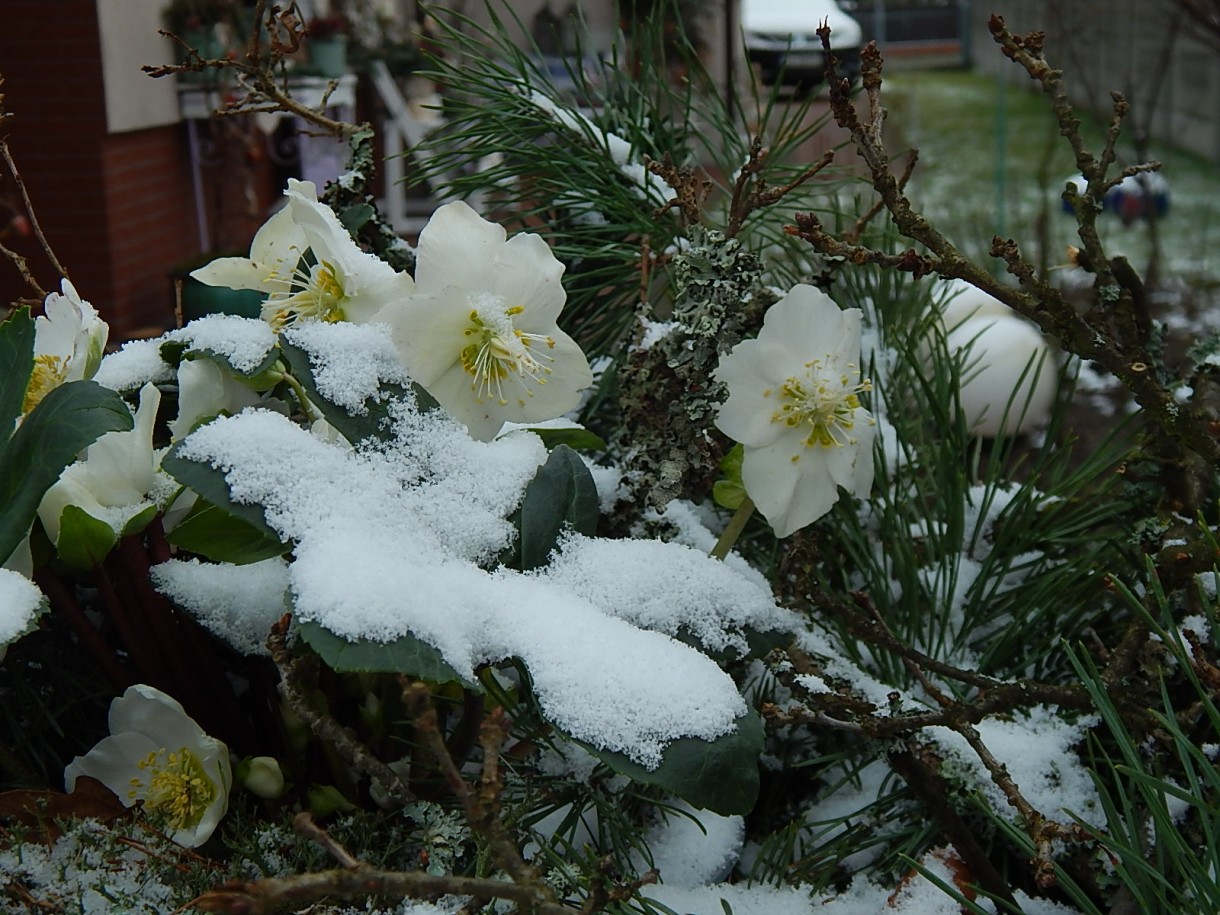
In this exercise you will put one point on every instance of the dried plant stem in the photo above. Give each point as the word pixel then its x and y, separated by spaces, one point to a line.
pixel 29 209
pixel 482 806
pixel 292 672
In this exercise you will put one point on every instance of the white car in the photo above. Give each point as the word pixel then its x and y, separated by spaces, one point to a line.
pixel 781 40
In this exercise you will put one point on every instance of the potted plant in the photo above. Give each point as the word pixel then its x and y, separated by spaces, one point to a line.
pixel 195 23
pixel 327 43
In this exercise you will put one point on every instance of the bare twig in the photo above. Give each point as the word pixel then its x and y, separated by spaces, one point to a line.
pixel 29 209
pixel 324 726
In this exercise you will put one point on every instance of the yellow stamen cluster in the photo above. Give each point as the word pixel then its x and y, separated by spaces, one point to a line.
pixel 498 352
pixel 827 405
pixel 177 787
pixel 49 373
pixel 315 293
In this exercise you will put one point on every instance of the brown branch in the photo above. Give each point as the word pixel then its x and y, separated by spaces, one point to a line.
pixel 482 807
pixel 928 787
pixel 23 268
pixel 29 208
pixel 352 884
pixel 1117 339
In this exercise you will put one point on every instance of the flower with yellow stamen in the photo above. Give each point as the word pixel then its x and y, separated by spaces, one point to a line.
pixel 309 267
pixel 794 404
pixel 157 756
pixel 479 333
pixel 69 340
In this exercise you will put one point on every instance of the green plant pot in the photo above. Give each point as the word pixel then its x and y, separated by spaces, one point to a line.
pixel 329 56
pixel 200 299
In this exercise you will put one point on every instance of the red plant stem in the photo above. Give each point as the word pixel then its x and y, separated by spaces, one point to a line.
pixel 132 631
pixel 63 603
pixel 202 686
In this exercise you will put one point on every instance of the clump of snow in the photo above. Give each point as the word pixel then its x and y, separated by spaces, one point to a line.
pixel 349 361
pixel 693 848
pixel 20 601
pixel 134 365
pixel 243 342
pixel 672 588
pixel 1037 746
pixel 238 604
pixel 648 186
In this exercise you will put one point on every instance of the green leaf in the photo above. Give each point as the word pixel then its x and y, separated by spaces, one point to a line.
pixel 210 483
pixel 70 418
pixel 16 366
pixel 562 493
pixel 356 216
pixel 720 775
pixel 579 439
pixel 221 536
pixel 404 655
pixel 139 521
pixel 374 422
pixel 84 541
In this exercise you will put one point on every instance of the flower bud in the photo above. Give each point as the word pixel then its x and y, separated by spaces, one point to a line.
pixel 262 775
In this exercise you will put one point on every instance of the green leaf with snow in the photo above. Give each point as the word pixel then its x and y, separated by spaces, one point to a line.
pixel 374 421
pixel 405 655
pixel 719 775
pixel 257 377
pixel 562 494
pixel 212 486
pixel 221 536
pixel 69 419
pixel 16 364
pixel 84 541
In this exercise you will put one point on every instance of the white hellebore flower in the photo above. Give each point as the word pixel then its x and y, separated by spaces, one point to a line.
pixel 793 403
pixel 113 482
pixel 309 267
pixel 479 333
pixel 69 340
pixel 158 755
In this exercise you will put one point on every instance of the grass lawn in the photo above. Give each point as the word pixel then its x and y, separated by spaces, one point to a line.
pixel 992 161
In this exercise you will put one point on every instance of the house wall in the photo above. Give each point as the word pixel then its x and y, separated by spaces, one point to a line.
pixel 110 183
pixel 1108 45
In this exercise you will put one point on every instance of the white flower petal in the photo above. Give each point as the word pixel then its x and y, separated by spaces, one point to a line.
pixel 528 275
pixel 235 273
pixel 113 762
pixel 790 493
pixel 750 375
pixel 457 247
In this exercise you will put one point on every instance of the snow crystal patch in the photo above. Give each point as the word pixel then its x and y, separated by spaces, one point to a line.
pixel 243 342
pixel 238 604
pixel 604 681
pixel 671 588
pixel 742 900
pixel 349 361
pixel 133 366
pixel 654 332
pixel 19 603
pixel 693 848
pixel 1037 747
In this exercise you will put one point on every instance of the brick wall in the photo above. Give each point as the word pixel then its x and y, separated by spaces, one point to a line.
pixel 116 208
